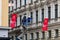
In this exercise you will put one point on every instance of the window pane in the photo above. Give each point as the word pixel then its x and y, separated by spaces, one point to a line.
pixel 25 2
pixel 56 32
pixel 42 14
pixel 11 7
pixel 31 1
pixel 43 33
pixel 49 33
pixel 18 3
pixel 14 4
pixel 31 16
pixel 56 11
pixel 25 36
pixel 20 19
pixel 37 16
pixel 22 2
pixel 31 35
pixel 49 13
pixel 37 34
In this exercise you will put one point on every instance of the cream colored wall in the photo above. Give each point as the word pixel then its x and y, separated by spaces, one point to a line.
pixel 0 11
pixel 4 13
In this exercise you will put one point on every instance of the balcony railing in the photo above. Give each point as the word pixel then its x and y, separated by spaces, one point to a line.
pixel 52 22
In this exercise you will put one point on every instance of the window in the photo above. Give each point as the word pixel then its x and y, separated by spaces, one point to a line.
pixel 20 19
pixel 36 16
pixel 16 4
pixel 49 13
pixel 31 36
pixel 20 3
pixel 9 21
pixel 31 16
pixel 37 34
pixel 16 21
pixel 31 1
pixel 56 32
pixel 43 33
pixel 9 7
pixel 12 37
pixel 42 14
pixel 49 33
pixel 25 36
pixel 12 6
pixel 25 2
pixel 56 11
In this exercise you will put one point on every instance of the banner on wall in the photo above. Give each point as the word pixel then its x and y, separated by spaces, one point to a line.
pixel 13 20
pixel 45 25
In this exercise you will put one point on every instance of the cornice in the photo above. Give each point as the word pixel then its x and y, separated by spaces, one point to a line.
pixel 34 6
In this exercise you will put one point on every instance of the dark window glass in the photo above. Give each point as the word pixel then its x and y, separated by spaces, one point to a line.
pixel 43 33
pixel 32 36
pixel 37 16
pixel 56 11
pixel 37 34
pixel 31 16
pixel 42 14
pixel 49 33
pixel 9 7
pixel 16 4
pixel 31 1
pixel 16 21
pixel 20 3
pixel 12 37
pixel 49 13
pixel 20 19
pixel 9 21
pixel 56 32
pixel 25 36
pixel 12 6
pixel 25 2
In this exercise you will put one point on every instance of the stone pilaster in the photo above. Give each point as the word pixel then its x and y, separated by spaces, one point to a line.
pixel 40 35
pixel 35 37
pixel 28 36
pixel 14 38
pixel 59 32
pixel 53 34
pixel 24 37
pixel 46 35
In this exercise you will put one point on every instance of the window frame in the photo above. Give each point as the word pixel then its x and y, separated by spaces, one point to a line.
pixel 36 16
pixel 49 13
pixel 42 14
pixel 56 11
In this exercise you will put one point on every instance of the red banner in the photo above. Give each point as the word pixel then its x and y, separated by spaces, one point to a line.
pixel 45 25
pixel 13 20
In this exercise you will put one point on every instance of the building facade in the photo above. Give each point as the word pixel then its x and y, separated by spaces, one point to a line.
pixel 37 10
pixel 4 20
